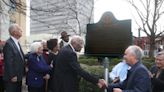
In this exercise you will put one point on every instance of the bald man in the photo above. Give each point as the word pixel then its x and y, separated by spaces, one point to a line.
pixel 67 69
pixel 138 79
pixel 13 60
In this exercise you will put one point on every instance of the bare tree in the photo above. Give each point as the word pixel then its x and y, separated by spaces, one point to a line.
pixel 149 12
pixel 15 5
pixel 77 12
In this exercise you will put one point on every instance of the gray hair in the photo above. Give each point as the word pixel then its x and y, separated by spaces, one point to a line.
pixel 35 46
pixel 136 51
pixel 44 42
pixel 161 53
pixel 12 28
pixel 77 40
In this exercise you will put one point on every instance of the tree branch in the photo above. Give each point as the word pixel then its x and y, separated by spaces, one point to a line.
pixel 159 34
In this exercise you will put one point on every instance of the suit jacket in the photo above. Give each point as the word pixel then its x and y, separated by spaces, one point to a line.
pixel 13 61
pixel 37 69
pixel 1 67
pixel 67 70
pixel 157 83
pixel 51 58
pixel 137 80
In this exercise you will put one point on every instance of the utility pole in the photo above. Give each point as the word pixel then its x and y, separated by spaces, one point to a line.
pixel 139 37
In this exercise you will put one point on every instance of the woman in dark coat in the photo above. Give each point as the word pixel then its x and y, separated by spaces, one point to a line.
pixel 53 47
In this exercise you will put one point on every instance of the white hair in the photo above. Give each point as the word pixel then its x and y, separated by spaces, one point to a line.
pixel 12 28
pixel 161 53
pixel 77 40
pixel 44 42
pixel 136 51
pixel 35 46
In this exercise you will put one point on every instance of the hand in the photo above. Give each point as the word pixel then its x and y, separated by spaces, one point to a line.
pixel 116 80
pixel 102 83
pixel 117 90
pixel 151 75
pixel 47 76
pixel 14 79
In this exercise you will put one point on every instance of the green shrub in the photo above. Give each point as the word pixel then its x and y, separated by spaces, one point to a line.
pixel 148 62
pixel 92 65
pixel 94 61
pixel 89 61
pixel 86 86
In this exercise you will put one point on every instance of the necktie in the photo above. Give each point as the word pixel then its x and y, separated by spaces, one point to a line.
pixel 20 51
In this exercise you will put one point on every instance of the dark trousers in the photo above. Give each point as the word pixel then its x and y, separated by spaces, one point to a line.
pixel 1 84
pixel 13 86
pixel 35 89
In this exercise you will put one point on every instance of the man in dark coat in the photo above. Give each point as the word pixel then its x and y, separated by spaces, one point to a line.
pixel 157 73
pixel 65 39
pixel 13 61
pixel 138 79
pixel 68 70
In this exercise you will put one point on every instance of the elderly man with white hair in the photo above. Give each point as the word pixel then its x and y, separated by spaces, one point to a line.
pixel 67 69
pixel 13 60
pixel 38 69
pixel 138 79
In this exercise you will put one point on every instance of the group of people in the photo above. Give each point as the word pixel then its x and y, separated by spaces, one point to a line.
pixel 54 67
pixel 131 76
pixel 45 70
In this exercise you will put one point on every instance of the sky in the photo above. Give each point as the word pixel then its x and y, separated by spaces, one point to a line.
pixel 120 8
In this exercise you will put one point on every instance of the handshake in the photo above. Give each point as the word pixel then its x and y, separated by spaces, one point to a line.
pixel 102 84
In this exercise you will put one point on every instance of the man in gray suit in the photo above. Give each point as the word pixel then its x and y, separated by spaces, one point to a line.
pixel 13 60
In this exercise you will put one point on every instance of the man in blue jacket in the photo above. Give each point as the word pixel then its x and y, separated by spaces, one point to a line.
pixel 138 79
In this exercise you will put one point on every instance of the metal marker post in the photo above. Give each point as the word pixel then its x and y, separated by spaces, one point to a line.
pixel 106 64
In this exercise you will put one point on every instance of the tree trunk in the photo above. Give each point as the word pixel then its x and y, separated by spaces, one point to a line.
pixel 152 46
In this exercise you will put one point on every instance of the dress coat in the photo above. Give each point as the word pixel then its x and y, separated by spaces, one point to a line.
pixel 51 60
pixel 67 71
pixel 157 83
pixel 14 63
